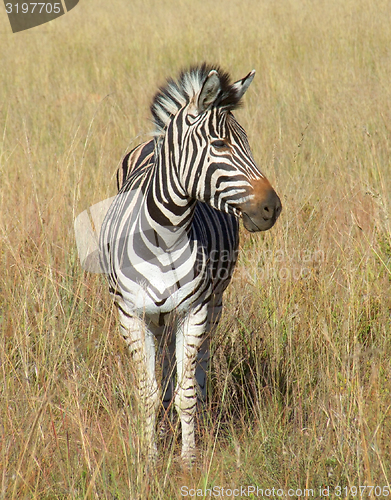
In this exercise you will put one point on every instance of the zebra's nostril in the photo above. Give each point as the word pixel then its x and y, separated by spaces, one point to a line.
pixel 267 212
pixel 271 208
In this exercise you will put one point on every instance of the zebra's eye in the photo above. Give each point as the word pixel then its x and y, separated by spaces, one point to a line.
pixel 219 144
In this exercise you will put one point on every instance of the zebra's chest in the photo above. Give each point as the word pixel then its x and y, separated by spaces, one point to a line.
pixel 157 269
pixel 155 297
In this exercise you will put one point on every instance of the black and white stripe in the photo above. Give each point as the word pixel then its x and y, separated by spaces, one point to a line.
pixel 169 241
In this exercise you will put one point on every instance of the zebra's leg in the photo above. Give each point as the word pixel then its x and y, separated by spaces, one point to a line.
pixel 141 342
pixel 214 314
pixel 169 369
pixel 202 367
pixel 189 337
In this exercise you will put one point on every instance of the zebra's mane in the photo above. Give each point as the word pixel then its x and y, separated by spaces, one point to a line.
pixel 176 94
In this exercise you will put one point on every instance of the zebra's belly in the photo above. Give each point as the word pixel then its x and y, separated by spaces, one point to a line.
pixel 160 293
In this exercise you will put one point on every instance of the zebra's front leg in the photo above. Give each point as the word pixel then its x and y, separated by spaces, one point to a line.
pixel 141 342
pixel 189 337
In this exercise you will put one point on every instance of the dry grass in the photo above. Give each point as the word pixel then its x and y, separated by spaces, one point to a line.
pixel 301 372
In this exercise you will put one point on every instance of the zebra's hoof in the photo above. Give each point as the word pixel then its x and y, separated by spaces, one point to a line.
pixel 188 458
pixel 152 454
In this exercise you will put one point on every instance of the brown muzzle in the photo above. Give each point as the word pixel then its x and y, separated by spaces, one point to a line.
pixel 261 212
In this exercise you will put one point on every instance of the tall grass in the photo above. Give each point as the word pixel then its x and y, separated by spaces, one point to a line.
pixel 301 368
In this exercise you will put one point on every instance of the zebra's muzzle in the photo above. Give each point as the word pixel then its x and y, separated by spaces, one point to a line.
pixel 261 213
pixel 259 225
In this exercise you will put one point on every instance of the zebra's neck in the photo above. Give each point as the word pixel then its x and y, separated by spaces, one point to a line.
pixel 169 209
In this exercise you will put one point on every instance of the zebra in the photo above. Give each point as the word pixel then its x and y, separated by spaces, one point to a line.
pixel 170 239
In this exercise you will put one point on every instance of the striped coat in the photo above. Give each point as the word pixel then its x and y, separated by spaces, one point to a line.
pixel 169 241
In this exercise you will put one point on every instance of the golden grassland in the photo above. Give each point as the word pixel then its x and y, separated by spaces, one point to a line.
pixel 301 368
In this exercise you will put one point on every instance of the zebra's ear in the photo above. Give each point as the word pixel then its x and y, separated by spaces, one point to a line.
pixel 209 92
pixel 242 85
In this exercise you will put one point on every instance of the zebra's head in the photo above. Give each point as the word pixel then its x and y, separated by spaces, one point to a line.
pixel 208 149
